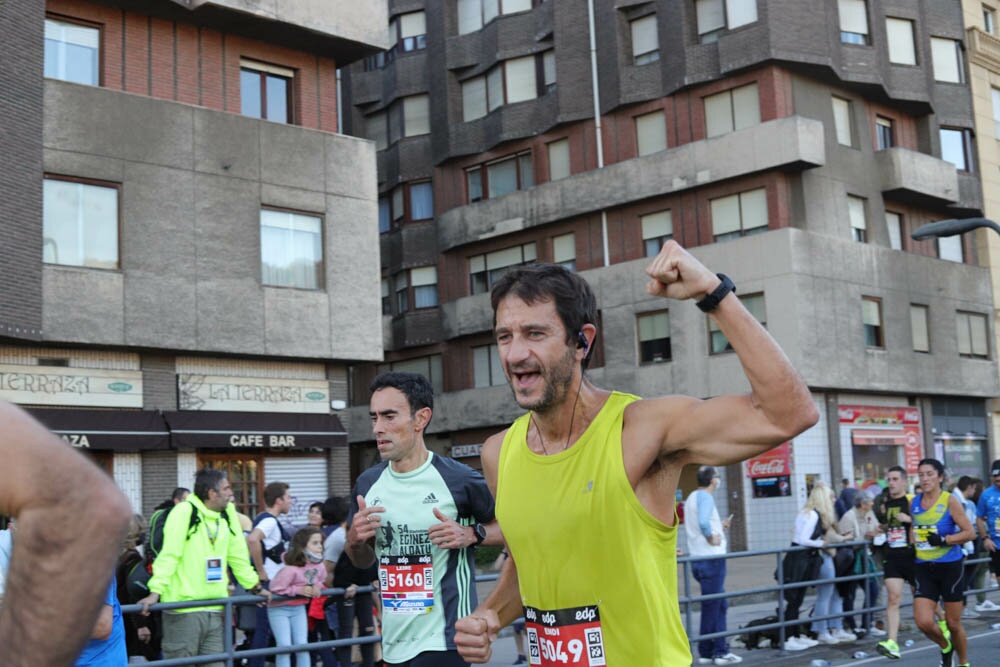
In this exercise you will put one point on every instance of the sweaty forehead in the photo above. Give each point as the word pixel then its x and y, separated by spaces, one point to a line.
pixel 515 313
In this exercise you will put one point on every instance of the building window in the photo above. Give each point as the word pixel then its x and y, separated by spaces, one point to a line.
pixel 376 130
pixel 486 368
pixel 645 40
pixel 266 91
pixel 950 248
pixel 716 16
pixel 474 14
pixel 919 328
pixel 80 224
pixel 291 249
pixel 955 147
pixel 564 250
pixel 486 269
pixel 884 134
pixel 429 367
pixel 972 335
pixel 72 52
pixel 842 121
pixel 902 46
pixel 501 177
pixel 384 215
pixel 946 55
pixel 989 20
pixel 739 215
pixel 559 166
pixel 424 281
pixel 548 71
pixel 718 343
pixel 473 98
pixel 651 133
pixel 654 337
pixel 995 94
pixel 858 217
pixel 416 115
pixel 732 110
pixel 853 21
pixel 408 117
pixel 871 315
pixel 514 80
pixel 657 229
pixel 410 31
pixel 386 298
pixel 894 223
pixel 421 201
pixel 400 284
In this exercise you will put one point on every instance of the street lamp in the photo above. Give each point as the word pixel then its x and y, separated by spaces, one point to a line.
pixel 944 228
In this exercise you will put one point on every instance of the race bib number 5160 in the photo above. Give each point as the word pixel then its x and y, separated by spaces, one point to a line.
pixel 407 584
pixel 565 637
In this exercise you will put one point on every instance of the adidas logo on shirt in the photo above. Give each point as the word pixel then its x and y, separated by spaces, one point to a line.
pixel 431 498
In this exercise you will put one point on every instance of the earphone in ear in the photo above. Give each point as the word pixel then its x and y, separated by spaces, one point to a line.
pixel 582 341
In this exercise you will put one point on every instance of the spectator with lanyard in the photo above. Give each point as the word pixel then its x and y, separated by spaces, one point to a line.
pixel 988 518
pixel 939 529
pixel 892 509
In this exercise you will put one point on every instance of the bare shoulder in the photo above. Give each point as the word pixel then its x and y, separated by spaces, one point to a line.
pixel 648 422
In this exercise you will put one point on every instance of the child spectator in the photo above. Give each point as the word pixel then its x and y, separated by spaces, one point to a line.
pixel 303 575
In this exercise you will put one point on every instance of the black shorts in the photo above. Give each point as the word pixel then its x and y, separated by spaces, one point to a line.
pixel 940 581
pixel 433 659
pixel 995 562
pixel 899 567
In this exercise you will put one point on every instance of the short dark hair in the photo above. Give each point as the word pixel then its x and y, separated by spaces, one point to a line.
pixel 417 389
pixel 898 469
pixel 273 492
pixel 207 479
pixel 965 481
pixel 574 300
pixel 705 475
pixel 335 510
pixel 179 493
pixel 296 554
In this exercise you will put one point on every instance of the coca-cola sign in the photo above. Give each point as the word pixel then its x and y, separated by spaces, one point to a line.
pixel 772 463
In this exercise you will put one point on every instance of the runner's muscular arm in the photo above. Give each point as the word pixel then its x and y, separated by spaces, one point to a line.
pixel 475 632
pixel 70 522
pixel 728 428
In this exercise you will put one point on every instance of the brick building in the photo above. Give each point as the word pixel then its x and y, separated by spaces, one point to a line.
pixel 793 144
pixel 189 246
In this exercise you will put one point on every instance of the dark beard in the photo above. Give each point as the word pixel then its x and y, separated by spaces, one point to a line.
pixel 557 382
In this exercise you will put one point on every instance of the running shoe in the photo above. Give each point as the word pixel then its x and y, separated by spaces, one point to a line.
pixel 987 605
pixel 728 659
pixel 876 632
pixel 827 638
pixel 945 631
pixel 843 635
pixel 793 644
pixel 889 648
pixel 947 657
pixel 703 661
pixel 521 660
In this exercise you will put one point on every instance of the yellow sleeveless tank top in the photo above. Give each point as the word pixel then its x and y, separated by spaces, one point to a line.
pixel 581 538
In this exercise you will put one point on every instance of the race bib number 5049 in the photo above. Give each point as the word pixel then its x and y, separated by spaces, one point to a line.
pixel 565 637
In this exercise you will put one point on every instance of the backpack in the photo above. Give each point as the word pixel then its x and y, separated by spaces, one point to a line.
pixel 278 550
pixel 155 544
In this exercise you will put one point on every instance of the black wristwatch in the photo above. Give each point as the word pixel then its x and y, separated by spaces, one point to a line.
pixel 711 302
pixel 480 531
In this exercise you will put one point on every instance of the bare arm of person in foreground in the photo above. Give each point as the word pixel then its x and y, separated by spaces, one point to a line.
pixel 71 519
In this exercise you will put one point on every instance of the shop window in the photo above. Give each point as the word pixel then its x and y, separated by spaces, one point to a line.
pixel 956 147
pixel 871 314
pixel 973 342
pixel 732 110
pixel 718 343
pixel 429 367
pixel 950 248
pixel 651 133
pixel 901 43
pixel 716 16
pixel 654 337
pixel 884 134
pixel 80 223
pixel 564 251
pixel 72 52
pixel 266 91
pixel 842 121
pixel 486 269
pixel 291 249
pixel 486 368
pixel 245 474
pixel 739 215
pixel 657 229
pixel 645 40
pixel 919 328
pixel 857 213
pixel 500 177
pixel 894 223
pixel 946 56
pixel 559 166
pixel 853 21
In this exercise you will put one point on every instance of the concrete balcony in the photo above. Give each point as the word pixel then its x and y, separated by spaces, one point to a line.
pixel 789 144
pixel 917 178
pixel 983 48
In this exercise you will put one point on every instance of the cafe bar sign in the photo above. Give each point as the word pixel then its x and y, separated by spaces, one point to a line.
pixel 57 385
pixel 239 394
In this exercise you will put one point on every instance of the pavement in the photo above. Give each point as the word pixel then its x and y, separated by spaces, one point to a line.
pixel 752 572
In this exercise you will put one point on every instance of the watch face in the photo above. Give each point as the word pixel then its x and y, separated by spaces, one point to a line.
pixel 480 531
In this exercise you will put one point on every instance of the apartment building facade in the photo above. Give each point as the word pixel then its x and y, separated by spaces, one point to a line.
pixel 190 249
pixel 793 145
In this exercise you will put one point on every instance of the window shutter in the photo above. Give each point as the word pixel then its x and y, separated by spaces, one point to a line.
pixel 753 208
pixel 944 53
pixel 741 12
pixel 657 225
pixel 416 112
pixel 521 84
pixel 564 248
pixel 746 107
pixel 473 98
pixel 651 133
pixel 412 24
pixel 718 114
pixel 899 33
pixel 853 16
pixel 725 215
pixel 644 35
pixel 558 159
pixel 710 16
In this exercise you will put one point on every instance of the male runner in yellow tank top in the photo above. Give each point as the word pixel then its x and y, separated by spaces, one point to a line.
pixel 585 481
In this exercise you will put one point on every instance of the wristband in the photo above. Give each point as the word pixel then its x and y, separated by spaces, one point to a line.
pixel 711 302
